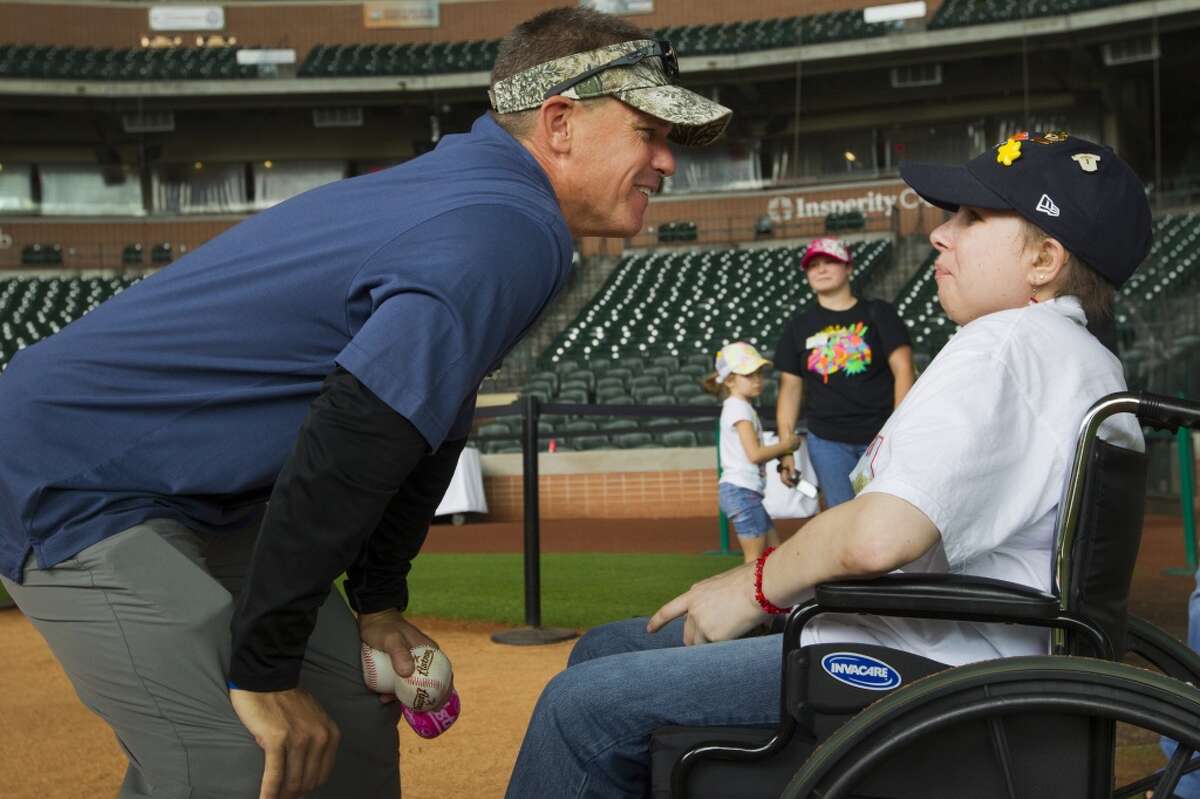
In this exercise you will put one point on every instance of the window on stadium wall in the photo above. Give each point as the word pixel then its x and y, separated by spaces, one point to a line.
pixel 200 188
pixel 952 143
pixel 16 189
pixel 731 167
pixel 91 190
pixel 823 156
pixel 276 181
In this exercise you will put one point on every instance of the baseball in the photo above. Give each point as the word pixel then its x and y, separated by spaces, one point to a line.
pixel 423 690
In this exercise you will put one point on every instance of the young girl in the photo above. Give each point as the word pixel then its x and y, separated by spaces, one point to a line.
pixel 738 380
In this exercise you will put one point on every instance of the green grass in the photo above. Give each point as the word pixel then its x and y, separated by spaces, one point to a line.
pixel 578 590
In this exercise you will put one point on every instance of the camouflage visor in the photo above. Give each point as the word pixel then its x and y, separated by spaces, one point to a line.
pixel 640 73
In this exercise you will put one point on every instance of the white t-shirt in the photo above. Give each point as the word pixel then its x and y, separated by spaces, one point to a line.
pixel 736 467
pixel 982 445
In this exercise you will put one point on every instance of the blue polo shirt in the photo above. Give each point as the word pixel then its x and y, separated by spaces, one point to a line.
pixel 182 396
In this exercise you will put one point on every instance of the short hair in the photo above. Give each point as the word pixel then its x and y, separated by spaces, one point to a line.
pixel 554 34
pixel 1095 293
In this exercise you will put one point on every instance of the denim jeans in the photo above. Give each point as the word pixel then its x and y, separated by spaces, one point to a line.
pixel 1189 786
pixel 745 509
pixel 834 460
pixel 589 735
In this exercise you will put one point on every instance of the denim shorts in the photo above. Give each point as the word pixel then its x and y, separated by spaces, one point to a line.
pixel 745 509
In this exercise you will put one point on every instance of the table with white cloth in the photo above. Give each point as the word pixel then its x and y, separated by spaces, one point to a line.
pixel 465 492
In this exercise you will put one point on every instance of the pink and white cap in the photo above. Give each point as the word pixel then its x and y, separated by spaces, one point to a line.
pixel 826 246
pixel 738 358
pixel 432 723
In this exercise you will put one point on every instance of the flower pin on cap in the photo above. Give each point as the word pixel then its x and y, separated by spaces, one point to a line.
pixel 1008 152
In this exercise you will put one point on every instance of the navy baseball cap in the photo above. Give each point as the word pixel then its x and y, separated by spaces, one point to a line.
pixel 1077 191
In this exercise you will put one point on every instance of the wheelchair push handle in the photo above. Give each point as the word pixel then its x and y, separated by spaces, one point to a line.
pixel 1168 413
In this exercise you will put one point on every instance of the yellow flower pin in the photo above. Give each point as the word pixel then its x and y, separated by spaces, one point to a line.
pixel 1009 151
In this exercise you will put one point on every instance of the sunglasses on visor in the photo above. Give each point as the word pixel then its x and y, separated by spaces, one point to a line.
pixel 661 49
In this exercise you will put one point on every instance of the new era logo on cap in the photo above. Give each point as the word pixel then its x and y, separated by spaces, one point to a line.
pixel 1047 206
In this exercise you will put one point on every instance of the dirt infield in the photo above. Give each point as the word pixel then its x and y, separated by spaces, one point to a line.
pixel 53 748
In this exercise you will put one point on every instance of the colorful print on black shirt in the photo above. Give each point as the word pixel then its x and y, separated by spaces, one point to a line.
pixel 842 356
pixel 839 349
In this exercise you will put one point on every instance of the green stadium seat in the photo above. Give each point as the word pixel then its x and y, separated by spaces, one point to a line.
pixel 588 443
pixel 634 440
pixel 573 383
pixel 606 393
pixel 643 393
pixel 575 396
pixel 658 372
pixel 668 362
pixel 495 429
pixel 679 438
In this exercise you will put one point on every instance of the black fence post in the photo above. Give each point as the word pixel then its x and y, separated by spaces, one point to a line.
pixel 533 632
pixel 529 456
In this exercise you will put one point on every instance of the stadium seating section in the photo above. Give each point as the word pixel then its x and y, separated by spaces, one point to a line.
pixel 33 308
pixel 431 58
pixel 42 255
pixel 1161 350
pixel 119 64
pixel 648 336
pixel 957 13
pixel 362 60
pixel 341 60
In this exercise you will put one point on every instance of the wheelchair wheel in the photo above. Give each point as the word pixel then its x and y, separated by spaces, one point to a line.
pixel 1062 700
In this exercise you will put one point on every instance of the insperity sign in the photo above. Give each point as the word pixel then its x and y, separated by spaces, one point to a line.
pixel 784 208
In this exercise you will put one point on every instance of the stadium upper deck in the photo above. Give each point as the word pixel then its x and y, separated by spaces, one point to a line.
pixel 173 144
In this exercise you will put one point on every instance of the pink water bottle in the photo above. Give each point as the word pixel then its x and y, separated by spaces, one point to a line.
pixel 432 723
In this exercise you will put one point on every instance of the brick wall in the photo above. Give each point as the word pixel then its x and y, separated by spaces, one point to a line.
pixel 616 495
pixel 92 245
pixel 302 26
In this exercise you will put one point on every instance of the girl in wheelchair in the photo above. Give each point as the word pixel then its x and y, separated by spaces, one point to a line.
pixel 964 478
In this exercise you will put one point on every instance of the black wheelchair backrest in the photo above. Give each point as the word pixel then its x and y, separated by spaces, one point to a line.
pixel 1099 525
pixel 1105 548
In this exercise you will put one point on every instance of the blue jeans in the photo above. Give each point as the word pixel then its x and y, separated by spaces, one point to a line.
pixel 1189 786
pixel 590 732
pixel 834 460
pixel 745 509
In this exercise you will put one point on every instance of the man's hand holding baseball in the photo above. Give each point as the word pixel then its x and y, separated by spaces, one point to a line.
pixel 388 631
pixel 297 737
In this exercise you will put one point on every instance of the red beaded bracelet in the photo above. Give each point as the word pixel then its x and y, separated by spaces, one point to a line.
pixel 763 602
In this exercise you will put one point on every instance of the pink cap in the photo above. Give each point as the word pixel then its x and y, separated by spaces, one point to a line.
pixel 432 723
pixel 826 246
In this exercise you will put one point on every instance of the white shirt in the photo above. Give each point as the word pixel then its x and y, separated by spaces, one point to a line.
pixel 736 467
pixel 982 445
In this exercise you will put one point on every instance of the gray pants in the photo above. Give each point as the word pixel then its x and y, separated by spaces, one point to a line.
pixel 140 623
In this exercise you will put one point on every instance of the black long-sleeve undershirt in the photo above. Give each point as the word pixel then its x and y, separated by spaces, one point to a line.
pixel 357 494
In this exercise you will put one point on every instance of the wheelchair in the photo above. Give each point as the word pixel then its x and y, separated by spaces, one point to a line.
pixel 870 721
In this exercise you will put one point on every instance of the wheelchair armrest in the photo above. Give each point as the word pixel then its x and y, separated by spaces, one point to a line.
pixel 938 596
pixel 1163 651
